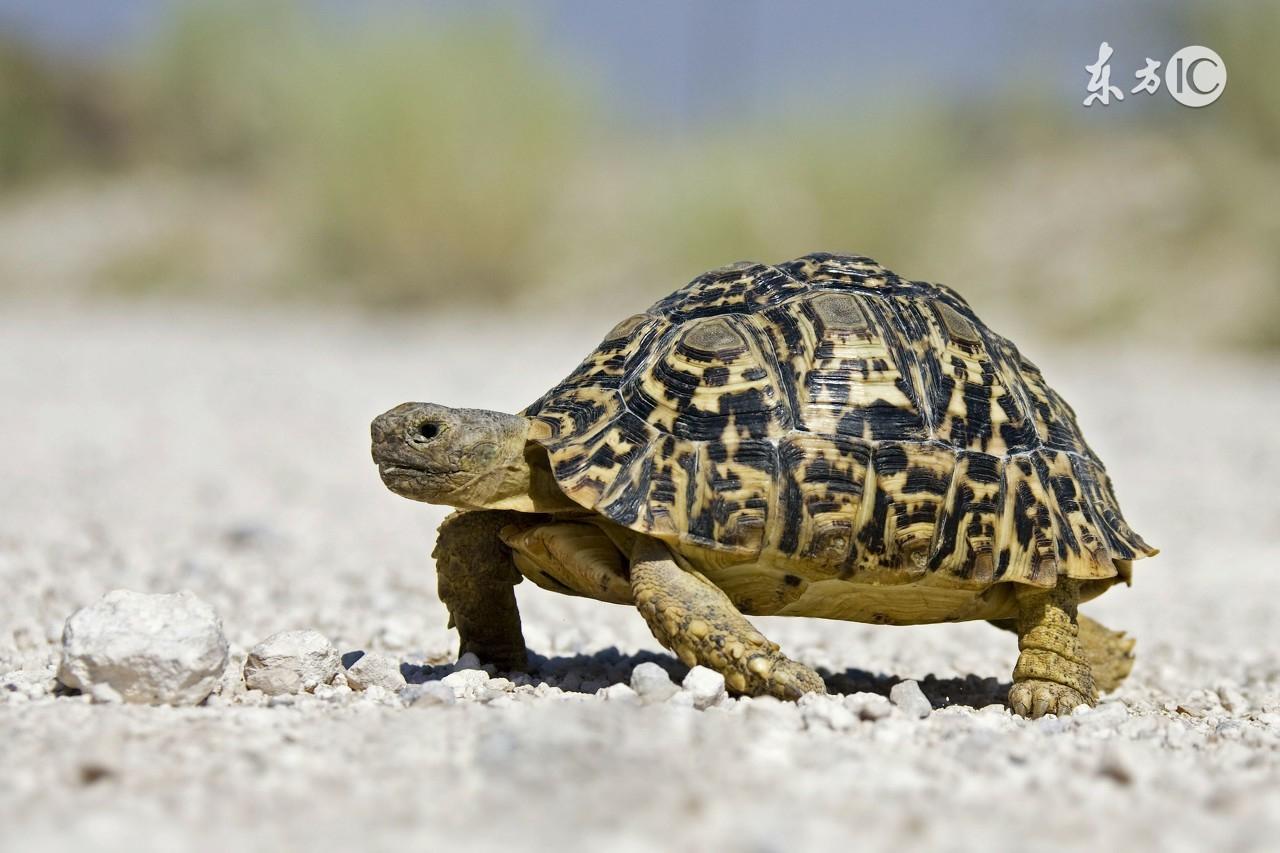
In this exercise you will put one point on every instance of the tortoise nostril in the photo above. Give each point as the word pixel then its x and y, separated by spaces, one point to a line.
pixel 429 429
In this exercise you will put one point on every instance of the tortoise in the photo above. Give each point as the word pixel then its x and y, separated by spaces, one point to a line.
pixel 816 438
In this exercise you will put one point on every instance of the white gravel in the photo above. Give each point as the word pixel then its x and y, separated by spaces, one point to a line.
pixel 228 456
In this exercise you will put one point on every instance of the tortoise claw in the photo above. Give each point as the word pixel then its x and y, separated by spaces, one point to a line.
pixel 1034 698
pixel 792 679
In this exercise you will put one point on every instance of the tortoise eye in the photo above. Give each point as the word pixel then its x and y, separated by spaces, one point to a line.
pixel 429 429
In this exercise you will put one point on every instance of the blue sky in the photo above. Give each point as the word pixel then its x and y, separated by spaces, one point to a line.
pixel 678 62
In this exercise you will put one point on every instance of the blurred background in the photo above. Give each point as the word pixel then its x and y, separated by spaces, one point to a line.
pixel 396 156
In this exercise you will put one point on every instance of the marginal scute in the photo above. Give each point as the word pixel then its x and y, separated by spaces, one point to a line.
pixel 824 482
pixel 826 420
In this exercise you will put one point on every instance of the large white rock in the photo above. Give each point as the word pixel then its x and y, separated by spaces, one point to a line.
pixel 291 662
pixel 144 648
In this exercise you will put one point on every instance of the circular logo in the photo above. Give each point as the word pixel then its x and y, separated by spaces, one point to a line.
pixel 1195 76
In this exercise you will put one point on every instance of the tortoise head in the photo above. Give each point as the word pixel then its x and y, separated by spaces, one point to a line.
pixel 467 458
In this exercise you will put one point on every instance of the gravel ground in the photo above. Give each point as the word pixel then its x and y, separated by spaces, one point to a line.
pixel 160 451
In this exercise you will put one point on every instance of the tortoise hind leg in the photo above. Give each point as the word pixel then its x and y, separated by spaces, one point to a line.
pixel 1110 653
pixel 696 620
pixel 1052 675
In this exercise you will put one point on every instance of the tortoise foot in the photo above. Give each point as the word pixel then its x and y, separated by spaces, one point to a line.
pixel 1034 698
pixel 780 676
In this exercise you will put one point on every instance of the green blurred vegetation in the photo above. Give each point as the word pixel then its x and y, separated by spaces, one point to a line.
pixel 252 151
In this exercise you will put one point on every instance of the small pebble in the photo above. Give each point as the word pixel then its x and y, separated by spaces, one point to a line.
pixel 1137 728
pixel 427 695
pixel 705 686
pixel 621 693
pixel 336 690
pixel 1116 767
pixel 291 662
pixel 1107 716
pixel 1232 700
pixel 652 683
pixel 869 706
pixel 1050 724
pixel 466 683
pixel 1230 729
pixel 826 711
pixel 380 694
pixel 375 668
pixel 772 712
pixel 1200 703
pixel 910 699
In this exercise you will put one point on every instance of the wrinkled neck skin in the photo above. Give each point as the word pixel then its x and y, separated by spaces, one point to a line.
pixel 465 458
pixel 505 485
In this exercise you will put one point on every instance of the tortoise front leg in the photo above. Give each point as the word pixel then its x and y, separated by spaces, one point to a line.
pixel 1052 675
pixel 476 580
pixel 696 620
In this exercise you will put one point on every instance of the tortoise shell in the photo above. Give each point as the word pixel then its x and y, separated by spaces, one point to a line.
pixel 828 413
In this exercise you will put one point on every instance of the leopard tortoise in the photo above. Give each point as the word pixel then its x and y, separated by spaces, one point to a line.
pixel 817 438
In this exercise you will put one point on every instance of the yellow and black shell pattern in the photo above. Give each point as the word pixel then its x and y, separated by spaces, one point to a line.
pixel 826 413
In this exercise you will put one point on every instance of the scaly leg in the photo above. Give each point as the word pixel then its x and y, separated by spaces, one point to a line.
pixel 1110 653
pixel 696 620
pixel 1052 675
pixel 476 581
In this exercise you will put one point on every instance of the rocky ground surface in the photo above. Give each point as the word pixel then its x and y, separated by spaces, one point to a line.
pixel 167 450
